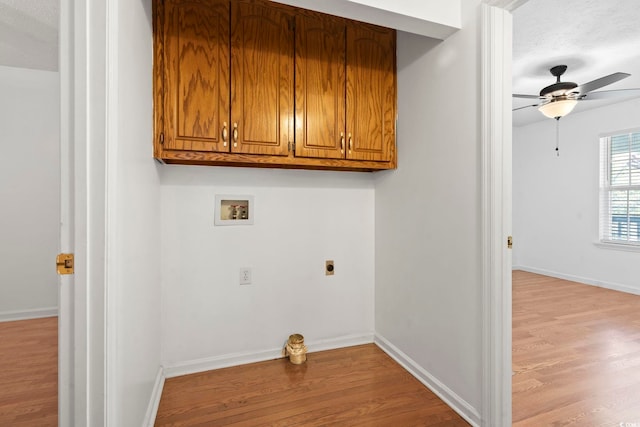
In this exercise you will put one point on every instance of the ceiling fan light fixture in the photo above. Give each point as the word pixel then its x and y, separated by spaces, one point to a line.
pixel 556 109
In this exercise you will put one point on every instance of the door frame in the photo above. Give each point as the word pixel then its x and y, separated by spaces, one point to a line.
pixel 87 56
pixel 66 284
pixel 496 163
pixel 82 320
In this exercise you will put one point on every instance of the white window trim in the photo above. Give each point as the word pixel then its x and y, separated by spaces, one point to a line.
pixel 626 247
pixel 606 243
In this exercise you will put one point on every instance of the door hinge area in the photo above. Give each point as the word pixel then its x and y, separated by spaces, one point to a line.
pixel 510 242
pixel 64 263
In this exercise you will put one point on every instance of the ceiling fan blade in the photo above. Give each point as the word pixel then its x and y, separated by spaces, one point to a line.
pixel 598 83
pixel 526 106
pixel 610 94
pixel 518 95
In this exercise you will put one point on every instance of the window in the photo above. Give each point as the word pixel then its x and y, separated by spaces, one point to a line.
pixel 620 188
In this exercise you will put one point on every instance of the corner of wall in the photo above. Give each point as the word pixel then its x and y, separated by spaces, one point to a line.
pixel 455 402
pixel 154 399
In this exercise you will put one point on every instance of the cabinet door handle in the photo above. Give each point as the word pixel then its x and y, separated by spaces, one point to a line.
pixel 235 134
pixel 350 143
pixel 225 134
pixel 342 142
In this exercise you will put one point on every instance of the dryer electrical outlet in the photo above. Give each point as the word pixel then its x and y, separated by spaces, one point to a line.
pixel 329 267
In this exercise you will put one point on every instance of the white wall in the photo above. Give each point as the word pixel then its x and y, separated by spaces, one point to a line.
pixel 302 219
pixel 428 273
pixel 432 18
pixel 30 192
pixel 555 199
pixel 134 271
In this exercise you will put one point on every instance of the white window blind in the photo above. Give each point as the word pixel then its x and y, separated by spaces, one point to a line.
pixel 620 188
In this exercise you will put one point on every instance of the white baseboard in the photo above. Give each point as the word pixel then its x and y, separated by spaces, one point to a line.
pixel 36 313
pixel 154 400
pixel 226 360
pixel 458 404
pixel 464 409
pixel 583 280
pixel 340 342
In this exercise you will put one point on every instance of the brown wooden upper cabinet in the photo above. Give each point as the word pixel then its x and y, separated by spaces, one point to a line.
pixel 345 89
pixel 225 92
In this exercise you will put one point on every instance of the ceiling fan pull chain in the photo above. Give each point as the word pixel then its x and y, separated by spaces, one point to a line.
pixel 558 136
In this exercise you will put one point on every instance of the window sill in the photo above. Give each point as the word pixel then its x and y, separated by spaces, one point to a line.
pixel 618 246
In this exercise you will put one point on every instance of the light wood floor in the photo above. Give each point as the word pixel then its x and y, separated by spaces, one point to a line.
pixel 576 358
pixel 29 373
pixel 354 386
pixel 576 354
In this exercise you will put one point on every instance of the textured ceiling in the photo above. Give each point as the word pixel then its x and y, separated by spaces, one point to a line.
pixel 29 34
pixel 593 38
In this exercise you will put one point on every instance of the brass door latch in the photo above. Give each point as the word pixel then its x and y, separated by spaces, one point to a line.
pixel 64 263
pixel 509 242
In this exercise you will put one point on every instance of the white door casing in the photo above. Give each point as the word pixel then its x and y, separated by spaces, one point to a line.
pixel 65 283
pixel 82 323
pixel 496 131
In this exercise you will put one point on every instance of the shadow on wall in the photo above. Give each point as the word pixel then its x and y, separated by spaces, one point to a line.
pixel 148 11
pixel 414 47
pixel 257 177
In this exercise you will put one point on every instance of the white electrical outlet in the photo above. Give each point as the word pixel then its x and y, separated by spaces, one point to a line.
pixel 245 276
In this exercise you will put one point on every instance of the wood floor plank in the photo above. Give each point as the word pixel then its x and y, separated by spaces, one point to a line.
pixel 353 386
pixel 29 374
pixel 576 362
pixel 576 354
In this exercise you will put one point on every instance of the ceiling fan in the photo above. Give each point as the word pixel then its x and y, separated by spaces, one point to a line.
pixel 559 99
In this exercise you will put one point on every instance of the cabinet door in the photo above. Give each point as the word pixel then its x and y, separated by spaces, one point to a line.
pixel 320 86
pixel 371 92
pixel 196 40
pixel 262 79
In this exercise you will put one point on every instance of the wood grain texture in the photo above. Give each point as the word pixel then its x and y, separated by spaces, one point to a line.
pixel 371 92
pixel 248 160
pixel 221 65
pixel 354 386
pixel 320 86
pixel 159 68
pixel 576 354
pixel 262 53
pixel 196 61
pixel 29 374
